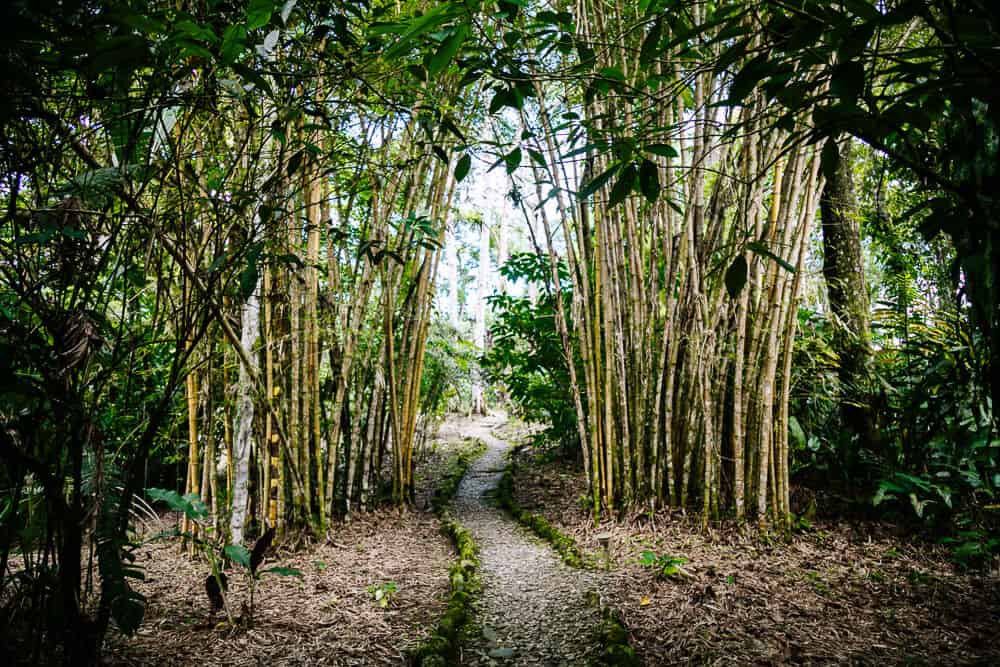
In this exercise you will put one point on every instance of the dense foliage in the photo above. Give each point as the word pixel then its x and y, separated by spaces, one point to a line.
pixel 223 227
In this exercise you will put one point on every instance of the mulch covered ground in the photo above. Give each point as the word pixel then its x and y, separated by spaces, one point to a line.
pixel 328 616
pixel 841 593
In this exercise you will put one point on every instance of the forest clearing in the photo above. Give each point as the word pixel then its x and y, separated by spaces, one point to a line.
pixel 475 332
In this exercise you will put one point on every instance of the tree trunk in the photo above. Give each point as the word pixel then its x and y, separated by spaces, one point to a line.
pixel 243 426
pixel 479 335
pixel 843 269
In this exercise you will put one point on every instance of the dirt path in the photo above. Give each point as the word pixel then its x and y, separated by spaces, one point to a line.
pixel 533 609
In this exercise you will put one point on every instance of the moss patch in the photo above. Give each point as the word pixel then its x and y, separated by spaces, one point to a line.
pixel 471 450
pixel 613 639
pixel 441 648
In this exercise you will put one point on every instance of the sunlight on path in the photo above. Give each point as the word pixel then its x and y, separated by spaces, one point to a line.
pixel 533 608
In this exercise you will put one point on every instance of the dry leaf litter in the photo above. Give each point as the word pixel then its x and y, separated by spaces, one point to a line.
pixel 840 593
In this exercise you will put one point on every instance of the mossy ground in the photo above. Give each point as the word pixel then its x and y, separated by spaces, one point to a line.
pixel 441 648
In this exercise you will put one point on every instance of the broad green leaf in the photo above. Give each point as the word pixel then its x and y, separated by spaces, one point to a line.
pixel 649 180
pixel 748 77
pixel 847 81
pixel 462 167
pixel 259 13
pixel 294 163
pixel 795 433
pixel 503 97
pixel 189 505
pixel 449 48
pixel 250 275
pixel 233 42
pixel 731 55
pixel 194 31
pixel 419 72
pixel 513 160
pixel 651 44
pixel 238 554
pixel 663 150
pixel 613 73
pixel 736 276
pixel 598 182
pixel 623 186
pixel 420 25
pixel 127 51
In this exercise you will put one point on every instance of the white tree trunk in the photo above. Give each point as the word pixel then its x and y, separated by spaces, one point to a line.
pixel 502 244
pixel 243 423
pixel 451 275
pixel 479 332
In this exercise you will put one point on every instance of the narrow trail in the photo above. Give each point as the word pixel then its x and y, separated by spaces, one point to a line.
pixel 533 608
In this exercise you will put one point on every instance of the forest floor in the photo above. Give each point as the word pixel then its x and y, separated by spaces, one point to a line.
pixel 836 593
pixel 328 616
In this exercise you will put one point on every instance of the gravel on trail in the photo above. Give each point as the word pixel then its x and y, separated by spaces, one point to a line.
pixel 533 609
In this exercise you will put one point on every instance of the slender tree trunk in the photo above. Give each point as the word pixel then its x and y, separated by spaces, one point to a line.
pixel 479 332
pixel 243 426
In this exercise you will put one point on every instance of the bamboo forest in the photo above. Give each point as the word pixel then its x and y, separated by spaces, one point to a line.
pixel 500 332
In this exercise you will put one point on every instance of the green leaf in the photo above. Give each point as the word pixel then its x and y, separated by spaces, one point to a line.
pixel 128 51
pixel 449 48
pixel 736 276
pixel 731 55
pixel 501 98
pixel 597 183
pixel 462 167
pixel 663 150
pixel 250 275
pixel 194 31
pixel 513 160
pixel 759 248
pixel 847 81
pixel 189 505
pixel 748 77
pixel 259 13
pixel 294 163
pixel 623 186
pixel 613 73
pixel 282 571
pixel 238 554
pixel 421 25
pixel 649 180
pixel 795 433
pixel 233 43
pixel 419 72
pixel 537 157
pixel 650 45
